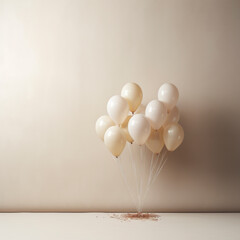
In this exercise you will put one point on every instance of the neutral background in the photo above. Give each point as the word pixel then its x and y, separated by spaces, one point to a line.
pixel 60 61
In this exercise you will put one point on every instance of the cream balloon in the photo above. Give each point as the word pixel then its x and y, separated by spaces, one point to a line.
pixel 139 128
pixel 132 92
pixel 172 117
pixel 155 141
pixel 173 136
pixel 102 124
pixel 156 113
pixel 117 108
pixel 168 93
pixel 124 127
pixel 115 140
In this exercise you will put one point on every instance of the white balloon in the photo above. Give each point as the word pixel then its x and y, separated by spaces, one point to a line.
pixel 117 108
pixel 139 128
pixel 168 93
pixel 172 117
pixel 102 124
pixel 156 113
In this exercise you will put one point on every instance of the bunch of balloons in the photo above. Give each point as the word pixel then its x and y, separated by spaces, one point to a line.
pixel 157 127
pixel 150 130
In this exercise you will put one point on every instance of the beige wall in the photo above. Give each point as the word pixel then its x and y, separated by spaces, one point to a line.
pixel 60 61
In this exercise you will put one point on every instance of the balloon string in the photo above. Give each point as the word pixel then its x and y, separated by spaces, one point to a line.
pixel 137 157
pixel 158 171
pixel 130 147
pixel 155 169
pixel 160 166
pixel 141 177
pixel 150 170
pixel 136 171
pixel 163 161
pixel 149 177
pixel 144 174
pixel 145 177
pixel 150 173
pixel 137 161
pixel 118 160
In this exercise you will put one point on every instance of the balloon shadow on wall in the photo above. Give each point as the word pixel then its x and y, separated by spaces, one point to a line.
pixel 223 159
pixel 203 174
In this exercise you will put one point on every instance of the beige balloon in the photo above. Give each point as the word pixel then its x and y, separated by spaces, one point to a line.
pixel 173 136
pixel 132 92
pixel 102 124
pixel 124 127
pixel 155 141
pixel 115 140
pixel 172 117
pixel 168 93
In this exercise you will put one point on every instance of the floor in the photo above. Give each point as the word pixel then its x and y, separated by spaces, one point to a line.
pixel 95 226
